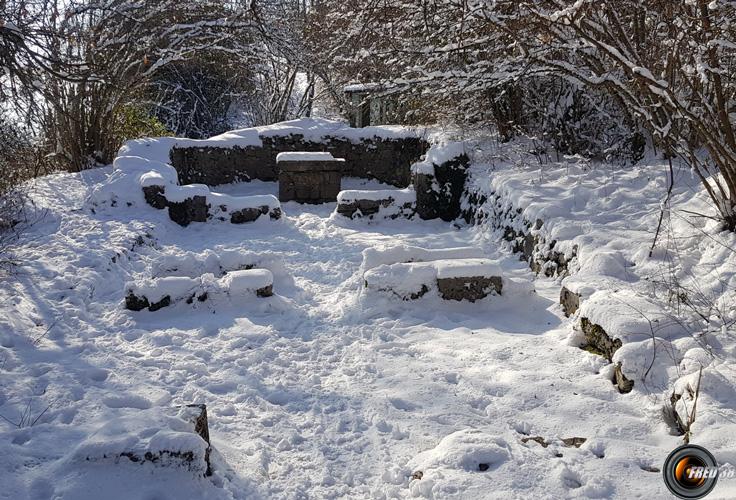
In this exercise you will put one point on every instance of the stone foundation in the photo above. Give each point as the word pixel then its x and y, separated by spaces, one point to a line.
pixel 387 160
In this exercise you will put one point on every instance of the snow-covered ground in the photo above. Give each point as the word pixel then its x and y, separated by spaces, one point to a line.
pixel 321 391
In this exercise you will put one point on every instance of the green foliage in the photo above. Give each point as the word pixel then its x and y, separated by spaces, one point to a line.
pixel 134 122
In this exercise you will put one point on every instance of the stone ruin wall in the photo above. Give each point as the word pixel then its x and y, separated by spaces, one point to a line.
pixel 386 160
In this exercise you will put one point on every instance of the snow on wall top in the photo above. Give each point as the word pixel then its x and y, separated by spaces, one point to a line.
pixel 306 156
pixel 311 129
pixel 437 155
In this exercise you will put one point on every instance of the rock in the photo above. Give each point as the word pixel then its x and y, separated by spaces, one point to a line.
pixel 438 195
pixel 135 303
pixel 154 196
pixel 247 215
pixel 197 414
pixel 574 442
pixel 469 288
pixel 570 301
pixel 266 291
pixel 599 342
pixel 194 209
pixel 619 379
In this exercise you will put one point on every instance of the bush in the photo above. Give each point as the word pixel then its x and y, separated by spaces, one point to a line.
pixel 134 122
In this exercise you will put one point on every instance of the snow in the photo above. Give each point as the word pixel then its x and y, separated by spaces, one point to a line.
pixel 402 279
pixel 247 281
pixel 306 156
pixel 176 287
pixel 325 391
pixel 391 254
pixel 319 129
pixel 179 194
pixel 467 268
pixel 438 154
pixel 400 196
pixel 235 203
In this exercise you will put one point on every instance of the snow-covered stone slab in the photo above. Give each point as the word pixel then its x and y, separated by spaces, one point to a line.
pixel 408 281
pixel 196 203
pixel 242 209
pixel 154 294
pixel 468 279
pixel 249 281
pixel 618 323
pixel 453 279
pixel 379 203
pixel 218 263
pixel 164 437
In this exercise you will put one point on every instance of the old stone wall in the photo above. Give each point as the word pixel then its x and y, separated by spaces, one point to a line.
pixel 387 160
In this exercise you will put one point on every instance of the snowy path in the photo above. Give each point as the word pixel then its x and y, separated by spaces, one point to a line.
pixel 320 392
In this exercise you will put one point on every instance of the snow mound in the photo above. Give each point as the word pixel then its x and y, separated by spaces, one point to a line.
pixel 463 268
pixel 149 435
pixel 437 155
pixel 404 279
pixel 219 263
pixel 129 175
pixel 392 254
pixel 629 316
pixel 247 281
pixel 467 450
pixel 399 196
pixel 306 156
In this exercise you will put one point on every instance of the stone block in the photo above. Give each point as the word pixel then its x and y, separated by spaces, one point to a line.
pixel 309 181
pixel 194 209
pixel 570 301
pixel 439 194
pixel 469 288
pixel 155 197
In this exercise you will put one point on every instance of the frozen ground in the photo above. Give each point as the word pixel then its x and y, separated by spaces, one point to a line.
pixel 318 392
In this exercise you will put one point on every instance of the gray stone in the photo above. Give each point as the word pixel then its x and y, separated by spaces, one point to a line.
pixel 469 288
pixel 599 342
pixel 438 195
pixel 199 418
pixel 266 291
pixel 136 303
pixel 194 209
pixel 154 196
pixel 570 301
pixel 247 214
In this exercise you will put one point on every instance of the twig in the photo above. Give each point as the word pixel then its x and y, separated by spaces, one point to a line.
pixel 664 205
